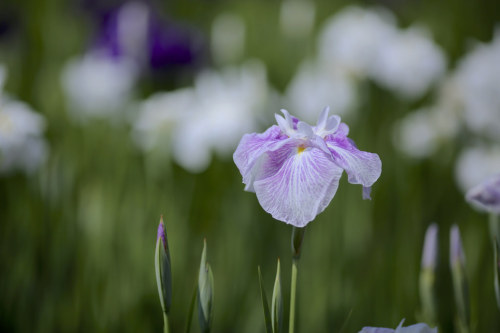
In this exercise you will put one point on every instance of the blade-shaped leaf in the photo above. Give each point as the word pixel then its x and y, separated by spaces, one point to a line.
pixel 277 302
pixel 265 306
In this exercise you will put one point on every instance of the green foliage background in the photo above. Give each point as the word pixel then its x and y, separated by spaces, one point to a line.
pixel 77 240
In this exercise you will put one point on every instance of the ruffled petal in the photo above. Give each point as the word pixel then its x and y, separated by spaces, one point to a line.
pixel 303 183
pixel 362 167
pixel 251 148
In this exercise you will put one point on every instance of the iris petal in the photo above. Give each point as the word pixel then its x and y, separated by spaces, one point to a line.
pixel 362 167
pixel 251 148
pixel 301 187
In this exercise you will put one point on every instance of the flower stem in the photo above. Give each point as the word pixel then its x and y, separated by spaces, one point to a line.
pixel 293 290
pixel 165 323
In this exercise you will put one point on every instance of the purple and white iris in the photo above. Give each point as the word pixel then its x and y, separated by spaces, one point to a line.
pixel 294 168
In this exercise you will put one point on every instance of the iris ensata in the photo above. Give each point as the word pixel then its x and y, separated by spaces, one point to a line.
pixel 294 168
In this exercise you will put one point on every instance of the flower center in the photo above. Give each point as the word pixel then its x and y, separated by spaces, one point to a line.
pixel 300 149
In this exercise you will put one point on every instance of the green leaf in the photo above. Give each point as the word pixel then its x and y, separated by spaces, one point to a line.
pixel 265 306
pixel 277 302
pixel 205 293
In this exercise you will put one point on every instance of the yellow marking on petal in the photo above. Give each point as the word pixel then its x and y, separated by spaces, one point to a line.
pixel 301 149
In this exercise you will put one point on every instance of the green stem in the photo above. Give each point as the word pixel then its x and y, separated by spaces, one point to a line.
pixel 293 290
pixel 165 323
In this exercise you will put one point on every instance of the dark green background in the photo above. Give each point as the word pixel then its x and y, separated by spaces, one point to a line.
pixel 77 240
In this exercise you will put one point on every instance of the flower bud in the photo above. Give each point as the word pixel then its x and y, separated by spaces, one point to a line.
pixel 205 292
pixel 163 268
pixel 460 285
pixel 428 274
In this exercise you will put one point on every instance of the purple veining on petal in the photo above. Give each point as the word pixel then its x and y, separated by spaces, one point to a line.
pixel 362 167
pixel 430 251
pixel 294 168
pixel 486 195
pixel 251 148
pixel 298 191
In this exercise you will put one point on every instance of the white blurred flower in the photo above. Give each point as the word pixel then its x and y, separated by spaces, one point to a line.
pixel 409 62
pixel 314 87
pixel 478 80
pixel 98 85
pixel 3 74
pixel 211 116
pixel 352 38
pixel 227 106
pixel 421 132
pixel 297 18
pixel 417 328
pixel 22 145
pixel 228 38
pixel 476 164
pixel 160 115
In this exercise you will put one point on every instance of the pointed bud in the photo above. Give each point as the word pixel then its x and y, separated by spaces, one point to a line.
pixel 460 285
pixel 297 238
pixel 430 251
pixel 163 268
pixel 277 303
pixel 205 292
pixel 428 275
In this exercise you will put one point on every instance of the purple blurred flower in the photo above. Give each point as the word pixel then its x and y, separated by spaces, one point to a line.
pixel 486 195
pixel 134 30
pixel 417 328
pixel 294 168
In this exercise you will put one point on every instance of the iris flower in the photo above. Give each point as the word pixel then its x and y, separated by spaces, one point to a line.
pixel 486 195
pixel 294 168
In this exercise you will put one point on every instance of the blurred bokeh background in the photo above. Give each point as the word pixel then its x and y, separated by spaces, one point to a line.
pixel 115 112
